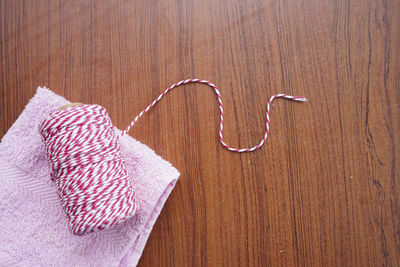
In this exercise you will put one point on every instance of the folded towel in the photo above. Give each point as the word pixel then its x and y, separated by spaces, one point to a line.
pixel 33 226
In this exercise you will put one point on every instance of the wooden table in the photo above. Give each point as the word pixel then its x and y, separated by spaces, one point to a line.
pixel 325 188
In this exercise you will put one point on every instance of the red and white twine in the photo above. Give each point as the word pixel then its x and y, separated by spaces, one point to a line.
pixel 87 166
pixel 221 124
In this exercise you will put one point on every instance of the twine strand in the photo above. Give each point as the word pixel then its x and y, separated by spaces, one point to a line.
pixel 221 125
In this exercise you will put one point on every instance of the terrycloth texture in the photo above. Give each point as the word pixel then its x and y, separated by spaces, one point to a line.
pixel 33 226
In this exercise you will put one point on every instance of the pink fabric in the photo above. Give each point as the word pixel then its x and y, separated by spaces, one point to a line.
pixel 33 226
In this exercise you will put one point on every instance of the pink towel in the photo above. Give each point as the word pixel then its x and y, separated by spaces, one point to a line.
pixel 33 226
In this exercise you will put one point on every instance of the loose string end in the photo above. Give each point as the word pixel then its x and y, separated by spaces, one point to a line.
pixel 301 99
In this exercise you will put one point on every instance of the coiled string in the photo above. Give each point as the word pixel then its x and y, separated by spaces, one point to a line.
pixel 87 166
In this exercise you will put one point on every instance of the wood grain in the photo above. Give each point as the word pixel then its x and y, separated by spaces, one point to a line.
pixel 324 191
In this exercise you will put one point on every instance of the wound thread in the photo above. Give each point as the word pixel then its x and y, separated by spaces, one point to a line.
pixel 87 166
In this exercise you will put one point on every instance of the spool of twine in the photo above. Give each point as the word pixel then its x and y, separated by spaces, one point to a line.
pixel 87 167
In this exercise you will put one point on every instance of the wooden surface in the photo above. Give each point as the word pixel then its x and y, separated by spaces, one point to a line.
pixel 324 190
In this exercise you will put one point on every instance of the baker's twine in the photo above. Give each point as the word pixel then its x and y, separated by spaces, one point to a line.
pixel 87 166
